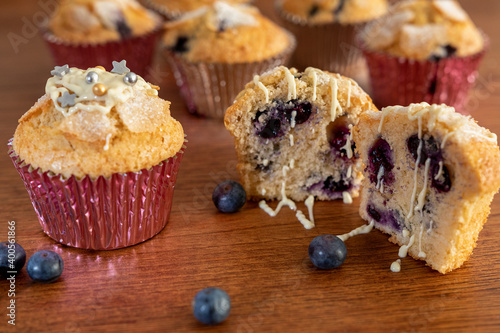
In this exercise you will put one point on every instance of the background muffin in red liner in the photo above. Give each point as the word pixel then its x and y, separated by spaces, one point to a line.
pixel 217 49
pixel 88 33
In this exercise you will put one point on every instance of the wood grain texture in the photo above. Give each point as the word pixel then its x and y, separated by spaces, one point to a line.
pixel 261 262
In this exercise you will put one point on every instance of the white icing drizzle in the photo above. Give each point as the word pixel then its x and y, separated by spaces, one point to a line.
pixel 380 180
pixel 364 229
pixel 384 113
pixel 292 163
pixel 265 162
pixel 261 86
pixel 117 91
pixel 335 103
pixel 348 146
pixel 263 191
pixel 406 233
pixel 292 89
pixel 283 202
pixel 421 253
pixel 349 171
pixel 302 219
pixel 396 266
pixel 292 119
pixel 346 197
pixel 440 171
pixel 291 140
pixel 415 174
pixel 446 138
pixel 430 226
pixel 285 169
pixel 315 83
pixel 423 192
pixel 403 250
pixel 106 146
pixel 310 204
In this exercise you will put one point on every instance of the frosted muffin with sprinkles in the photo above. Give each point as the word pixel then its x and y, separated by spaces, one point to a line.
pixel 106 151
pixel 87 33
pixel 423 51
pixel 326 30
pixel 216 49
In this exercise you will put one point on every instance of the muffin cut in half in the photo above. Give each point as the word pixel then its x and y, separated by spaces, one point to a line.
pixel 430 176
pixel 292 135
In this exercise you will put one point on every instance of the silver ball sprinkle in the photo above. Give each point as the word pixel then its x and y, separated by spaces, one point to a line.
pixel 91 77
pixel 130 78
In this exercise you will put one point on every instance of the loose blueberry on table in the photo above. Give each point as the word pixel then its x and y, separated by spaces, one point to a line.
pixel 12 258
pixel 45 266
pixel 211 306
pixel 327 251
pixel 229 196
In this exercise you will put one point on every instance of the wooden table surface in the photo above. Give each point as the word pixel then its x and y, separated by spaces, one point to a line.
pixel 261 262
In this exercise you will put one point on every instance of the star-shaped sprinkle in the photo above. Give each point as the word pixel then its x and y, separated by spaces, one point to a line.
pixel 60 71
pixel 67 99
pixel 120 67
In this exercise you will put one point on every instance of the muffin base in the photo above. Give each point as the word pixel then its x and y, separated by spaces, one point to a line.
pixel 103 213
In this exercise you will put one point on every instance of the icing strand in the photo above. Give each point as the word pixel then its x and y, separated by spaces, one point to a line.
pixel 364 229
pixel 310 204
pixel 423 192
pixel 421 253
pixel 261 86
pixel 292 89
pixel 396 266
pixel 346 197
pixel 403 250
pixel 106 146
pixel 335 103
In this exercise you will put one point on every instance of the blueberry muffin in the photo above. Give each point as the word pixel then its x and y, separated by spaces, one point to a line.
pixel 430 176
pixel 292 134
pixel 216 49
pixel 424 50
pixel 86 33
pixel 99 154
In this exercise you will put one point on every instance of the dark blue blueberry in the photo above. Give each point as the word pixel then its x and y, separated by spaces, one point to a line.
pixel 450 51
pixel 123 29
pixel 45 266
pixel 374 214
pixel 430 148
pixel 340 186
pixel 181 45
pixel 386 217
pixel 327 251
pixel 443 183
pixel 211 306
pixel 303 111
pixel 314 10
pixel 229 196
pixel 12 258
pixel 272 129
pixel 381 155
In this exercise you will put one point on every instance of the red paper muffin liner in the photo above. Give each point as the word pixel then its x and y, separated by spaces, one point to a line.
pixel 329 46
pixel 103 213
pixel 400 81
pixel 137 51
pixel 210 88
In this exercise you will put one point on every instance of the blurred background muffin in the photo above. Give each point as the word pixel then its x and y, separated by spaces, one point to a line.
pixel 326 31
pixel 99 155
pixel 87 33
pixel 215 50
pixel 423 51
